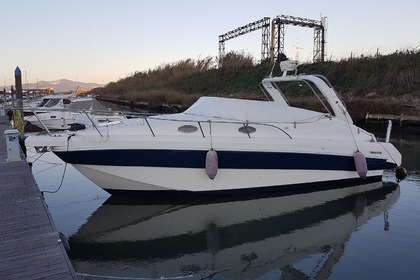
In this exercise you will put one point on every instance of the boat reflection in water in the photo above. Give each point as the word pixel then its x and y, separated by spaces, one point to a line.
pixel 235 238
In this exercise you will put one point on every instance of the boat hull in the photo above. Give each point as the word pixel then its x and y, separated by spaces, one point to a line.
pixel 51 121
pixel 156 179
pixel 237 170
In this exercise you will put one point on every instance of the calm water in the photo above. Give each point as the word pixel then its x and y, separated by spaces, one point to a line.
pixel 347 233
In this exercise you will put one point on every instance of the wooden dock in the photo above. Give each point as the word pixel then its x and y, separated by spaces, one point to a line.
pixel 30 246
pixel 401 119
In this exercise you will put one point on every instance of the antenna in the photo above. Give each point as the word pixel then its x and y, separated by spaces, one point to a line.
pixel 77 76
pixel 296 49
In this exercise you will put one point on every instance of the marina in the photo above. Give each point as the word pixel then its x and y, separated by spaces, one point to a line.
pixel 345 233
pixel 114 236
pixel 135 148
pixel 306 188
pixel 31 246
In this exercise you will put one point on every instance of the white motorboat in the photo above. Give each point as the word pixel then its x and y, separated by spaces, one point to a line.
pixel 229 145
pixel 52 101
pixel 243 238
pixel 60 112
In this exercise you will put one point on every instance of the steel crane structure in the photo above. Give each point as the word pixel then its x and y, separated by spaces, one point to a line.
pixel 263 24
pixel 276 49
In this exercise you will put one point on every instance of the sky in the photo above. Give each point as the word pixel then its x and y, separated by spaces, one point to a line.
pixel 102 41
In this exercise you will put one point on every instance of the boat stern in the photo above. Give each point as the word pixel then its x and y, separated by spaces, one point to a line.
pixel 394 156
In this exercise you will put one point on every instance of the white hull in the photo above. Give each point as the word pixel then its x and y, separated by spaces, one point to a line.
pixel 147 167
pixel 195 180
pixel 54 120
pixel 145 163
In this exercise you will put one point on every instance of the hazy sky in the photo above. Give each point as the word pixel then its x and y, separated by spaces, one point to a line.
pixel 105 40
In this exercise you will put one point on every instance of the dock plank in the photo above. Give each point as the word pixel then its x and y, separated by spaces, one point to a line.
pixel 29 243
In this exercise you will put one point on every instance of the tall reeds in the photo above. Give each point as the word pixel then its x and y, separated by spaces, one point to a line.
pixel 378 78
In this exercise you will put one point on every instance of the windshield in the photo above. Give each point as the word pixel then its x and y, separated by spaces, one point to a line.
pixel 43 102
pixel 52 102
pixel 303 94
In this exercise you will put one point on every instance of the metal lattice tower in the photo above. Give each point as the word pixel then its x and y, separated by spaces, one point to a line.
pixel 263 24
pixel 276 48
pixel 277 40
pixel 318 51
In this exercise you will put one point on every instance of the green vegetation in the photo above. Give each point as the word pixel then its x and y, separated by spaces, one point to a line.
pixel 375 84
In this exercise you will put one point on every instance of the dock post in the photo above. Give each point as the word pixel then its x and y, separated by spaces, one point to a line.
pixel 2 111
pixel 18 111
pixel 18 84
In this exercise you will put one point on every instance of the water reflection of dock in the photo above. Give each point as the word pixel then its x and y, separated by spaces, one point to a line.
pixel 28 238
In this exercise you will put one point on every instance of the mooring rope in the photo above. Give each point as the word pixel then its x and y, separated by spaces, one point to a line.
pixel 65 167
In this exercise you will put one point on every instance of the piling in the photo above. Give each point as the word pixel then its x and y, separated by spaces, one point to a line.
pixel 18 111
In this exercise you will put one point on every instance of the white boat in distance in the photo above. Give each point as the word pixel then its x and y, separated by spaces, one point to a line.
pixel 61 111
pixel 229 145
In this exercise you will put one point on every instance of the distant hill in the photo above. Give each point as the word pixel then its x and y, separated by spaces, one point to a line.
pixel 62 85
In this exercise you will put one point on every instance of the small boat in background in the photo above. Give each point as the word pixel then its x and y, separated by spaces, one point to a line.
pixel 232 145
pixel 61 112
pixel 52 101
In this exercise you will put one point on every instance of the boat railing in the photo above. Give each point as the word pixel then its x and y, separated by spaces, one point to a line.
pixel 146 117
pixel 247 126
pixel 46 110
pixel 367 133
pixel 88 113
pixel 126 114
pixel 43 125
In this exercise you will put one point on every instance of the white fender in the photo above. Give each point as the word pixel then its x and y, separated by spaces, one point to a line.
pixel 211 164
pixel 361 165
pixel 64 241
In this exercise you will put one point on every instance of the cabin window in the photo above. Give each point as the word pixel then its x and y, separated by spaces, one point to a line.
pixel 304 94
pixel 43 102
pixel 187 128
pixel 82 105
pixel 66 101
pixel 52 102
pixel 247 129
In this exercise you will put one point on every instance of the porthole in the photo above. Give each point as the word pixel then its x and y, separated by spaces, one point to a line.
pixel 247 129
pixel 187 128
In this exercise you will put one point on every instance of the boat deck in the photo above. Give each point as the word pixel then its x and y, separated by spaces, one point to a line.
pixel 30 246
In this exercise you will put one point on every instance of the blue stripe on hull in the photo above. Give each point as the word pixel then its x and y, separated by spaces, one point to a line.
pixel 227 159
